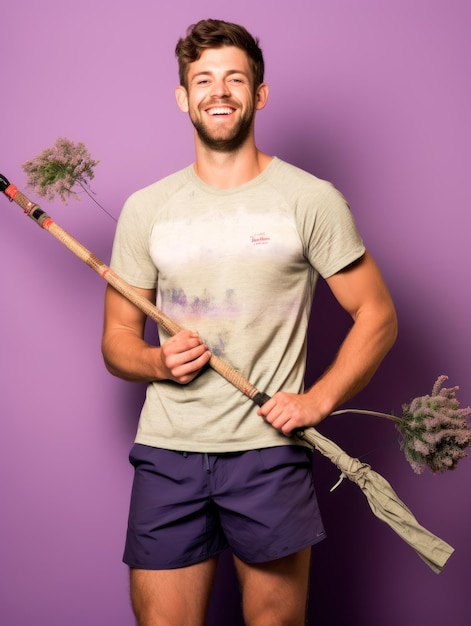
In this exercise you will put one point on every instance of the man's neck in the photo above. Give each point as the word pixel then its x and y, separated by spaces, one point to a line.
pixel 224 170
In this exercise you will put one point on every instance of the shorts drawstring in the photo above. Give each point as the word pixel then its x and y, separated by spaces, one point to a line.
pixel 206 463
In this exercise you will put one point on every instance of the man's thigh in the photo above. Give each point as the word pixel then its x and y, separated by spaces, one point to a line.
pixel 275 593
pixel 174 597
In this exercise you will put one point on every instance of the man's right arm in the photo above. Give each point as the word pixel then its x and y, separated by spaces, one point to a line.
pixel 127 355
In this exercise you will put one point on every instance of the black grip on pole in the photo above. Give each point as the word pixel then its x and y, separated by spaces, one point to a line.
pixel 260 398
pixel 4 182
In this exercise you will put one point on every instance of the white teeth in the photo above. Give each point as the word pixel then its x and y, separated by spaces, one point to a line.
pixel 220 111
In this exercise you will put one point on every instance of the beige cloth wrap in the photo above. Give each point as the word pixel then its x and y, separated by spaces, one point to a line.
pixel 383 501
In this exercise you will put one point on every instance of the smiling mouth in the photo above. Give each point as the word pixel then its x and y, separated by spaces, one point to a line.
pixel 220 111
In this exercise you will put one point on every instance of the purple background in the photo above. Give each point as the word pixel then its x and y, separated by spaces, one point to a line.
pixel 372 95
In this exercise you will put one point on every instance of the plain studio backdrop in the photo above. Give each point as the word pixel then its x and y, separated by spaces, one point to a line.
pixel 372 95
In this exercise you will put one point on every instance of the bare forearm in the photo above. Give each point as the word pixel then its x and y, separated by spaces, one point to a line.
pixel 179 359
pixel 131 358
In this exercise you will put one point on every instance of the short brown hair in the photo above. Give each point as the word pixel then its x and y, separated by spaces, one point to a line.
pixel 216 34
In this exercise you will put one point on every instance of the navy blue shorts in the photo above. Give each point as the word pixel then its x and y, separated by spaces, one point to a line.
pixel 188 507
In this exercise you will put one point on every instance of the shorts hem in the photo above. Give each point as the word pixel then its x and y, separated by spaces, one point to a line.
pixel 178 565
pixel 281 553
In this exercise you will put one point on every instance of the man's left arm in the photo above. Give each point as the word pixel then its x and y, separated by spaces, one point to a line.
pixel 362 292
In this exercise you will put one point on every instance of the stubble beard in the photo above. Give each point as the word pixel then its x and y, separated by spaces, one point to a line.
pixel 225 140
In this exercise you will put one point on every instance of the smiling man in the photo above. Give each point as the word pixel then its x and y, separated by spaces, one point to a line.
pixel 219 96
pixel 231 248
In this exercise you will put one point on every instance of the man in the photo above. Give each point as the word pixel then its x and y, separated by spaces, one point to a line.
pixel 231 248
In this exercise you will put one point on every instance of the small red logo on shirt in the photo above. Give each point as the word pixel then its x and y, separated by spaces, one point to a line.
pixel 259 239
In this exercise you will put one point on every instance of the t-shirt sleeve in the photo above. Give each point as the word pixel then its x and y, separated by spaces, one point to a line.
pixel 331 237
pixel 130 257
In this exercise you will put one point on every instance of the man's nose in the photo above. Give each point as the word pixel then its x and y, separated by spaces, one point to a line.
pixel 220 89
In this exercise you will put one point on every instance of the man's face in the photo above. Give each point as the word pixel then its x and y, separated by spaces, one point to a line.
pixel 220 98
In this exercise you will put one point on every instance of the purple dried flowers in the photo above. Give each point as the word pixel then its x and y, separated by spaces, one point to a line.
pixel 435 430
pixel 57 170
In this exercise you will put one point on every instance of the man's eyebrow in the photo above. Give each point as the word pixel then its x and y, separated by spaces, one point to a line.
pixel 228 73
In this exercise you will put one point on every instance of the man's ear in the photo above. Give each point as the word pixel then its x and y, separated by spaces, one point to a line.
pixel 261 97
pixel 181 96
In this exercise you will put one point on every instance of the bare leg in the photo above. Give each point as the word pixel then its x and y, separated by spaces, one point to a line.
pixel 275 593
pixel 176 597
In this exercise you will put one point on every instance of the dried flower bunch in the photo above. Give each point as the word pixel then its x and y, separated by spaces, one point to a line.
pixel 57 170
pixel 435 430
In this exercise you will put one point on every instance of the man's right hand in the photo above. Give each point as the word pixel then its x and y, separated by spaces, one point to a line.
pixel 127 354
pixel 183 356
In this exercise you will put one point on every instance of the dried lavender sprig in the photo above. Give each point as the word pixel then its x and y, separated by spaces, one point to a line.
pixel 57 169
pixel 434 429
